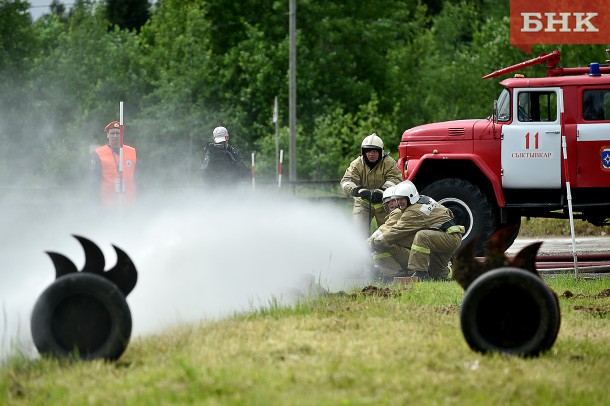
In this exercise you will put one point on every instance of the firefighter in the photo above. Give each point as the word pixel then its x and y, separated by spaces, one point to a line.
pixel 421 242
pixel 223 164
pixel 390 260
pixel 106 180
pixel 365 180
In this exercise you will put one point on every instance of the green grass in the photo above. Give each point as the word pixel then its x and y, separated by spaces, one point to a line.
pixel 406 348
pixel 539 227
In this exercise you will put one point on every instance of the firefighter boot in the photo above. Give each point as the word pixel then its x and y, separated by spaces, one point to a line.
pixel 422 275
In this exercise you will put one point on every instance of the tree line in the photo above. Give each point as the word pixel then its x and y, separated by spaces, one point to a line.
pixel 183 68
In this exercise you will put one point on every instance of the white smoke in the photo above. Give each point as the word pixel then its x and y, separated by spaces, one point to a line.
pixel 198 256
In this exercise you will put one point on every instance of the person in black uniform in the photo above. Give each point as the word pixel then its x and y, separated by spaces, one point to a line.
pixel 223 164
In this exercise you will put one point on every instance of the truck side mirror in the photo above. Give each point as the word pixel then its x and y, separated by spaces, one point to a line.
pixel 494 114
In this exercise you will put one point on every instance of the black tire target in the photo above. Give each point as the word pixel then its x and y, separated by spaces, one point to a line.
pixel 83 315
pixel 512 311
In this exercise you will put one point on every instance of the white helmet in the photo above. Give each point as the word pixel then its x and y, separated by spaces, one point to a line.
pixel 372 141
pixel 407 189
pixel 220 134
pixel 388 195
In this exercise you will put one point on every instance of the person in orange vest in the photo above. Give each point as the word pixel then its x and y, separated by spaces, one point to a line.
pixel 105 177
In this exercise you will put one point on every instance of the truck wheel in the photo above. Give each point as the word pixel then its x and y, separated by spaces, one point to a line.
pixel 510 311
pixel 84 315
pixel 469 206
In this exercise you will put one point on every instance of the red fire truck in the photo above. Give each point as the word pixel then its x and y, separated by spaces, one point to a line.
pixel 545 147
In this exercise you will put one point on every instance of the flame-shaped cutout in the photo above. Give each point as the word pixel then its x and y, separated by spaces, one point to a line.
pixel 123 274
pixel 466 267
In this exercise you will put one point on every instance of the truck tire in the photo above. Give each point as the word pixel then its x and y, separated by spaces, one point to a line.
pixel 83 315
pixel 470 207
pixel 511 311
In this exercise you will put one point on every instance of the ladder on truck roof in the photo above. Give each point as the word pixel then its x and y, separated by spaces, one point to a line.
pixel 552 60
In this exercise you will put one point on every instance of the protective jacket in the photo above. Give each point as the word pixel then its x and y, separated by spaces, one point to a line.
pixel 107 174
pixel 223 165
pixel 392 219
pixel 425 214
pixel 382 175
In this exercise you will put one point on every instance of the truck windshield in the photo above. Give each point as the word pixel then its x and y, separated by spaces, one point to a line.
pixel 504 106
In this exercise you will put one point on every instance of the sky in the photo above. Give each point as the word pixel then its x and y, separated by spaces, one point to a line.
pixel 40 7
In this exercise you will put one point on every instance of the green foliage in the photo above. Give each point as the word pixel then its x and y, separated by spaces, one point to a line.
pixel 342 50
pixel 16 36
pixel 540 227
pixel 128 14
pixel 333 143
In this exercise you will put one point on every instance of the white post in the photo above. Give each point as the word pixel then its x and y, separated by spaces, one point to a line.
pixel 566 169
pixel 277 132
pixel 292 89
pixel 121 148
pixel 569 195
pixel 121 190
pixel 253 174
pixel 279 176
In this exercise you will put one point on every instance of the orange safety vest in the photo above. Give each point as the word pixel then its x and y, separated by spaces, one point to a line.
pixel 110 183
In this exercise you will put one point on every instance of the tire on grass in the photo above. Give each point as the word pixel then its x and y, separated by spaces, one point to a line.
pixel 81 315
pixel 512 311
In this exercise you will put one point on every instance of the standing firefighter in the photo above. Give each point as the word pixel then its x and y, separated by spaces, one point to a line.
pixel 223 164
pixel 422 241
pixel 365 180
pixel 113 186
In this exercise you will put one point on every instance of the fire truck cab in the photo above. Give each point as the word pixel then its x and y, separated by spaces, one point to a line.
pixel 545 147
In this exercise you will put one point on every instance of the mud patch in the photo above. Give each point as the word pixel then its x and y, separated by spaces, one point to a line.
pixel 448 309
pixel 569 295
pixel 371 290
pixel 593 310
pixel 604 293
pixel 377 291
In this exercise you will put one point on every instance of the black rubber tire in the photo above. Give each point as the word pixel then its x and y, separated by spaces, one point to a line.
pixel 81 315
pixel 470 207
pixel 512 311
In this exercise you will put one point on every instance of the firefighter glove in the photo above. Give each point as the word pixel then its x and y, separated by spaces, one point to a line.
pixel 365 194
pixel 376 240
pixel 356 190
pixel 376 196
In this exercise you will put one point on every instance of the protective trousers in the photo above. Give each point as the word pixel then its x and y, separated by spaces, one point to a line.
pixel 391 260
pixel 432 250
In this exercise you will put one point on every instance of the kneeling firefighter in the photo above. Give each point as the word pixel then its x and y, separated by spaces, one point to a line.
pixel 421 242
